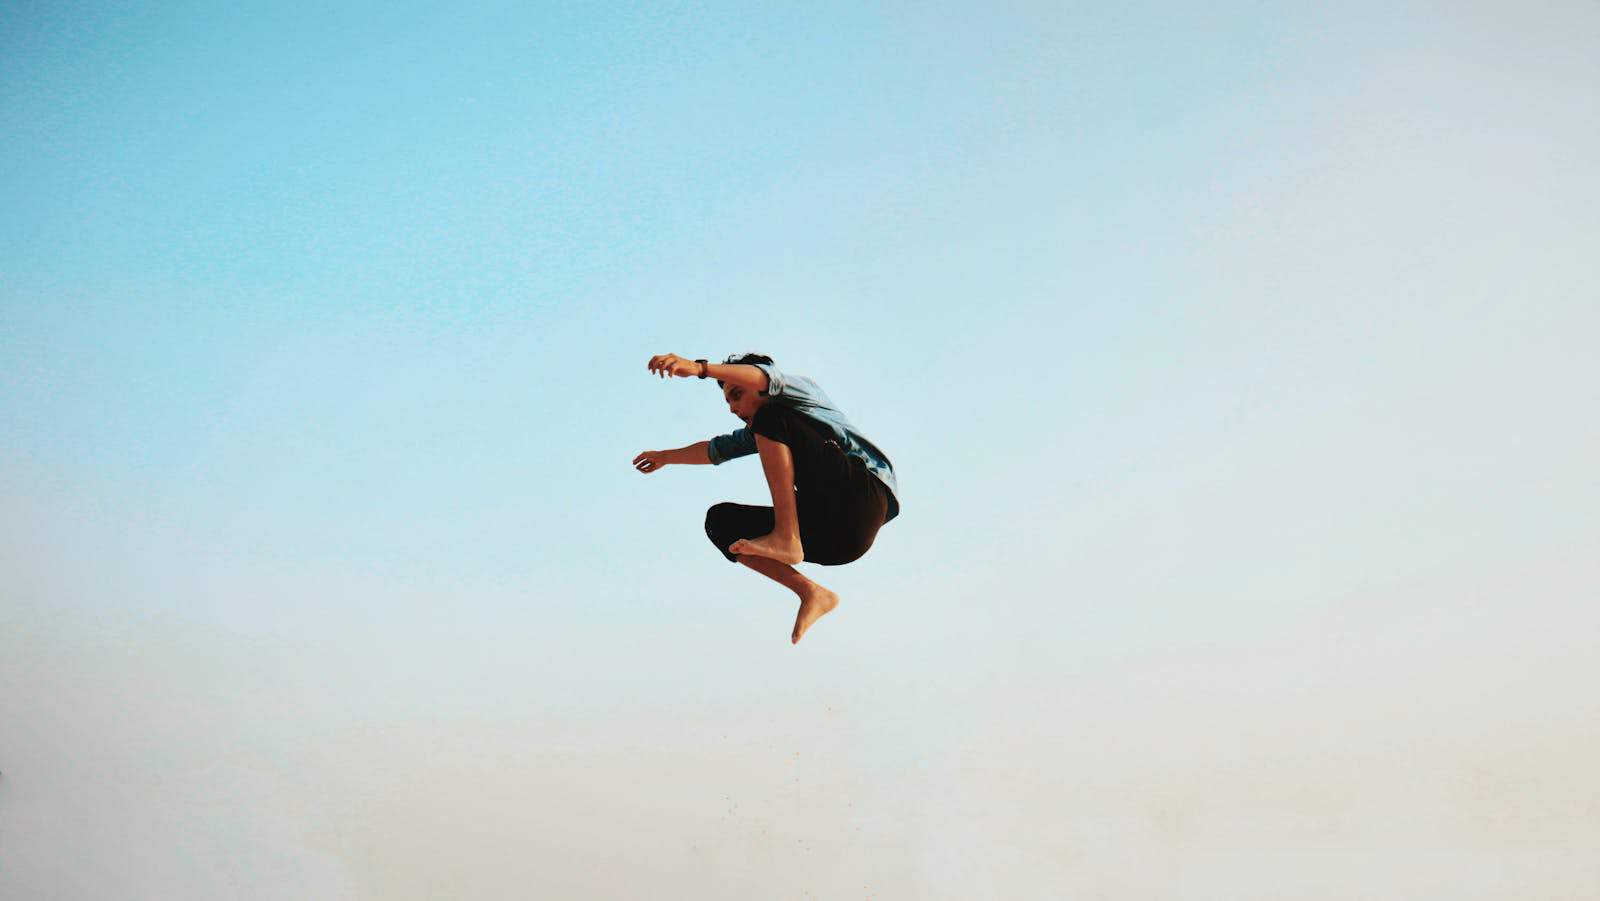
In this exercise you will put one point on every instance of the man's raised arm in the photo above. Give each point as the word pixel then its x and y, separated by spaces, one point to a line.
pixel 746 376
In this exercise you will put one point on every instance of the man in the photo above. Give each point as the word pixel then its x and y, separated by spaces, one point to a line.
pixel 832 489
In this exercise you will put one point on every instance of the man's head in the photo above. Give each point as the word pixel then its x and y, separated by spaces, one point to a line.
pixel 742 402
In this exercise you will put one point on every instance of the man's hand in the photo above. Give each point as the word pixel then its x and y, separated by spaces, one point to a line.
pixel 668 365
pixel 650 461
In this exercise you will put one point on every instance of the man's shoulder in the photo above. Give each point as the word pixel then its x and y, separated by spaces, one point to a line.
pixel 803 389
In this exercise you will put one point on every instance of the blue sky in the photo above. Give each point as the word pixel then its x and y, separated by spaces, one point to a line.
pixel 1234 363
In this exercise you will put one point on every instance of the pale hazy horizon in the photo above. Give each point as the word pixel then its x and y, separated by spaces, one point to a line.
pixel 1238 367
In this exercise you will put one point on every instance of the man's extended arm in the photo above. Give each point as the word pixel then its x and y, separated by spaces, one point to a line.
pixel 694 453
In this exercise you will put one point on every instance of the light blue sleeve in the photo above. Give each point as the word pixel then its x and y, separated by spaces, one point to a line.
pixel 738 443
pixel 775 380
pixel 796 390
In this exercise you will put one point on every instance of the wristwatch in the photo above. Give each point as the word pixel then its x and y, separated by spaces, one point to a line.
pixel 703 366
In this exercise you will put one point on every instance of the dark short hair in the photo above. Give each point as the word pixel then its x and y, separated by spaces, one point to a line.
pixel 745 358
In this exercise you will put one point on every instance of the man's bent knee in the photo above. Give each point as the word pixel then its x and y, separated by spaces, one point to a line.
pixel 717 518
pixel 717 530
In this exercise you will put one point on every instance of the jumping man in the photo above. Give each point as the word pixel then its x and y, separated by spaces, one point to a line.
pixel 832 489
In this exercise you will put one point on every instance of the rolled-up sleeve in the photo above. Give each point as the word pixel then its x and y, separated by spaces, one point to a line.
pixel 737 443
pixel 775 383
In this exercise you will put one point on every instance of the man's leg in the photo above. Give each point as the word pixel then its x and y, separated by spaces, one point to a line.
pixel 814 599
pixel 782 544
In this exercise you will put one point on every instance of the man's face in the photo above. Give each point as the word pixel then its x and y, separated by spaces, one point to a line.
pixel 743 403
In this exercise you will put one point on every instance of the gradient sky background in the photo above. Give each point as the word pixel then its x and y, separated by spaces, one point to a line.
pixel 1238 365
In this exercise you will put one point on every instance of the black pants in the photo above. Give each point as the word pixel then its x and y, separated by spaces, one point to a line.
pixel 839 502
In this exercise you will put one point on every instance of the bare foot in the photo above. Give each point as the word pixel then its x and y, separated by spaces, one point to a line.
pixel 813 604
pixel 770 545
